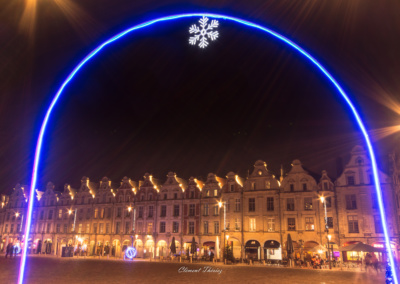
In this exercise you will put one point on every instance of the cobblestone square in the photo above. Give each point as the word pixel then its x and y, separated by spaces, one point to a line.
pixel 90 270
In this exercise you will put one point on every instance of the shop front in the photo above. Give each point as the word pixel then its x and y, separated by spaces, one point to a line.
pixel 382 245
pixel 272 250
pixel 208 249
pixel 162 249
pixel 252 250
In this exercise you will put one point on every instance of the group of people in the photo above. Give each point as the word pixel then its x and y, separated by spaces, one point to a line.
pixel 11 250
pixel 371 261
pixel 317 262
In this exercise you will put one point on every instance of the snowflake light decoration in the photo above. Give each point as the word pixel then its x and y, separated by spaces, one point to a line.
pixel 201 33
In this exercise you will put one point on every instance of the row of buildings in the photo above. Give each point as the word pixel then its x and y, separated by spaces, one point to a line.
pixel 253 215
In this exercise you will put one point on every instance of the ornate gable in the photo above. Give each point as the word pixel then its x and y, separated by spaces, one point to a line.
pixel 298 179
pixel 84 185
pixel 260 169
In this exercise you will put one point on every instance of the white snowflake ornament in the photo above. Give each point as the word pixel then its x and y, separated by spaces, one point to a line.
pixel 204 32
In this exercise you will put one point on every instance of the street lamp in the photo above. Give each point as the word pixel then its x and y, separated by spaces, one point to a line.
pixel 220 204
pixel 329 253
pixel 70 213
pixel 227 244
pixel 323 200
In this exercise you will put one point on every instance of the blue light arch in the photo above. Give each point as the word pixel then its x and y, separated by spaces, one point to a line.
pixel 214 16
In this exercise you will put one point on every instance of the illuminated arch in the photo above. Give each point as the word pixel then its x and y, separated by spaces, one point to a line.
pixel 215 16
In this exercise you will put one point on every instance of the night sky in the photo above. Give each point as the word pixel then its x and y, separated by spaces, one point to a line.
pixel 153 103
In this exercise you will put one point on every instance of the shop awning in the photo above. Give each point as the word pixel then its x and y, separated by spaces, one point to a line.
pixel 252 245
pixel 271 244
pixel 360 247
pixel 209 244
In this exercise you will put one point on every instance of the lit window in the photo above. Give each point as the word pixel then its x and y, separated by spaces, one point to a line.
pixel 291 224
pixel 252 224
pixel 271 224
pixel 309 224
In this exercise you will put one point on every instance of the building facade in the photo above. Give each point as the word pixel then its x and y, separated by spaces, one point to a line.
pixel 253 215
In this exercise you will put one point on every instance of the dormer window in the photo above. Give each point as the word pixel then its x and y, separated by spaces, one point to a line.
pixel 260 172
pixel 304 187
pixel 291 186
pixel 150 197
pixel 142 197
pixel 165 196
pixel 191 194
pixel 215 192
pixel 253 185
pixel 232 187
pixel 359 161
pixel 350 180
pixel 325 185
pixel 208 193
pixel 121 198
pixel 267 184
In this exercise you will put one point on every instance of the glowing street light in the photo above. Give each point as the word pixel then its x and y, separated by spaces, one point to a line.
pixel 323 200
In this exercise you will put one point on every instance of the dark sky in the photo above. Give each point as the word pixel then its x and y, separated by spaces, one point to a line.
pixel 153 103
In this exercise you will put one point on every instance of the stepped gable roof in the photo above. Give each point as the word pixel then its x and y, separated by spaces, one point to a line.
pixel 68 190
pixel 87 186
pixel 20 190
pixel 260 169
pixel 50 188
pixel 231 176
pixel 149 181
pixel 173 180
pixel 297 168
pixel 325 178
pixel 213 179
pixel 127 183
pixel 196 182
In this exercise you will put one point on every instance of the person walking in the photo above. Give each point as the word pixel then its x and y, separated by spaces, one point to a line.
pixel 367 262
pixel 8 249
pixel 374 262
pixel 11 251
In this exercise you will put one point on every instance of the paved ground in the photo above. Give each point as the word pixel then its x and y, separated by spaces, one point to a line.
pixel 63 270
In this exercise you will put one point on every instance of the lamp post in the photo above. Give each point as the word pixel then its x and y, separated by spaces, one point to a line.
pixel 70 213
pixel 328 237
pixel 220 204
pixel 227 245
pixel 329 253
